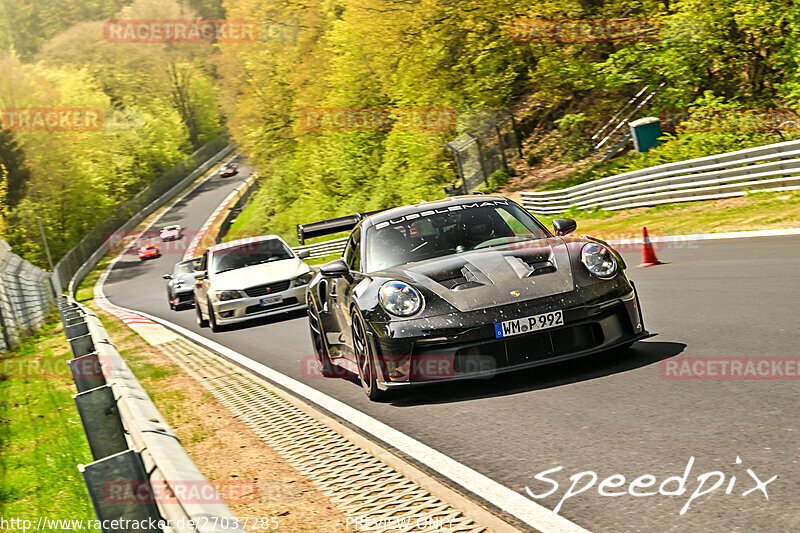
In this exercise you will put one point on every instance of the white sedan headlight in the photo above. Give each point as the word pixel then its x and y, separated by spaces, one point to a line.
pixel 224 296
pixel 303 279
pixel 400 298
pixel 599 260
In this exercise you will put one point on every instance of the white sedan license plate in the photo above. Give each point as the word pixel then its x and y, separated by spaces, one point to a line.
pixel 526 325
pixel 271 300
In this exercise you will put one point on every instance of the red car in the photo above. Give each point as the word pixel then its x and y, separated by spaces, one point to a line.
pixel 149 251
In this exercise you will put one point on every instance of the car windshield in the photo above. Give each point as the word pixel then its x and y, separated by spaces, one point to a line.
pixel 428 234
pixel 249 254
pixel 171 228
pixel 185 268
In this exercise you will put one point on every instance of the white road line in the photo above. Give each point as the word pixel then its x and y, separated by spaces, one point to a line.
pixel 710 236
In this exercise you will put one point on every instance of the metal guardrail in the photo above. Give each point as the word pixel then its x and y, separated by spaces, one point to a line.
pixel 140 471
pixel 774 167
pixel 334 246
pixel 26 296
pixel 242 195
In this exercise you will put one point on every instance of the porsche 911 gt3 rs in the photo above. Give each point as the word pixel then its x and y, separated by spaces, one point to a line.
pixel 461 288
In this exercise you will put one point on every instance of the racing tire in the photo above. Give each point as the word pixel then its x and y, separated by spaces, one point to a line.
pixel 212 319
pixel 202 322
pixel 318 340
pixel 365 359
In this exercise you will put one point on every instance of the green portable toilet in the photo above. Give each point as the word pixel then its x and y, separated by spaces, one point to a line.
pixel 645 133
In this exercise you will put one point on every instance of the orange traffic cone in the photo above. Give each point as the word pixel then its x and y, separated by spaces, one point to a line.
pixel 648 254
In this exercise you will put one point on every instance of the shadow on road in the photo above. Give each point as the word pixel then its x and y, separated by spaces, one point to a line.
pixel 542 377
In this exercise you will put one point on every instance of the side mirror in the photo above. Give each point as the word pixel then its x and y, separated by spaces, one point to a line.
pixel 564 226
pixel 167 276
pixel 303 254
pixel 200 274
pixel 335 269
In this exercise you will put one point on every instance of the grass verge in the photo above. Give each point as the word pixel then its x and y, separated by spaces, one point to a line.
pixel 757 211
pixel 41 436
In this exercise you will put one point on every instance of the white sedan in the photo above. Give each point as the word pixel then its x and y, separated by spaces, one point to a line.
pixel 171 233
pixel 249 278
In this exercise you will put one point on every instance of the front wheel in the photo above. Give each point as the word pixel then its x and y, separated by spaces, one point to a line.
pixel 318 339
pixel 202 322
pixel 216 328
pixel 365 359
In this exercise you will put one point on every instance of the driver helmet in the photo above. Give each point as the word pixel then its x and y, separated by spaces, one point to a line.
pixel 478 227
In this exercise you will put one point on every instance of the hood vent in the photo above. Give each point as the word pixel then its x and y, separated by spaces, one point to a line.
pixel 458 279
pixel 526 269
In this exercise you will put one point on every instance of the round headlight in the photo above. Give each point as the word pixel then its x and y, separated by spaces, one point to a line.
pixel 400 298
pixel 599 260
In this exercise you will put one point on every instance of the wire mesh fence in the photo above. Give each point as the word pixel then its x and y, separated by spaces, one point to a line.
pixel 484 150
pixel 26 296
pixel 136 209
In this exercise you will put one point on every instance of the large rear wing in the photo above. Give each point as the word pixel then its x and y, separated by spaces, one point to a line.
pixel 329 227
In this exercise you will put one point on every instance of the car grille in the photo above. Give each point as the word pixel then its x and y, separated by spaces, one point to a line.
pixel 288 302
pixel 271 288
pixel 531 347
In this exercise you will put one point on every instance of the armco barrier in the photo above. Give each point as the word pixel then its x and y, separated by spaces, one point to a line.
pixel 775 167
pixel 241 194
pixel 334 246
pixel 26 296
pixel 131 444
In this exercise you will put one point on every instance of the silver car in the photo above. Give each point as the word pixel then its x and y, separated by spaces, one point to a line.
pixel 249 278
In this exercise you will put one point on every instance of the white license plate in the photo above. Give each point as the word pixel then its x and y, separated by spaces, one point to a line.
pixel 519 326
pixel 271 300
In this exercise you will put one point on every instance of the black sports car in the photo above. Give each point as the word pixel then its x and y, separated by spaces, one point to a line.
pixel 465 287
pixel 180 287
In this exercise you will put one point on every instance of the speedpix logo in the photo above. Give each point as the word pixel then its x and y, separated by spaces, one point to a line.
pixel 439 211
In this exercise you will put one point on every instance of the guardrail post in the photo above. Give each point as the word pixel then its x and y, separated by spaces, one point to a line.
pixel 76 329
pixel 120 491
pixel 86 372
pixel 81 346
pixel 101 422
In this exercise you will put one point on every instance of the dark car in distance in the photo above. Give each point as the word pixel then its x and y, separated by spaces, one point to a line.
pixel 231 169
pixel 465 287
pixel 180 284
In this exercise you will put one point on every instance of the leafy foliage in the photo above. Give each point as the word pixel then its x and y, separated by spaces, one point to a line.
pixel 428 53
pixel 158 104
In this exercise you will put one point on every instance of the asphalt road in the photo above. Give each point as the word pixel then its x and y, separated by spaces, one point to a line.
pixel 610 414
